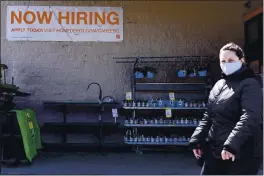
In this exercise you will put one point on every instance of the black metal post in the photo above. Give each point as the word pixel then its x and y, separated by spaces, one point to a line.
pixel 64 112
pixel 1 143
pixel 101 110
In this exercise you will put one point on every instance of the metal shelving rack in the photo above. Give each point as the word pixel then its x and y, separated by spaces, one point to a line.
pixel 11 143
pixel 165 87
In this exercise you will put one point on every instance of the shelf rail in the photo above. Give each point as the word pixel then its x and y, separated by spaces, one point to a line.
pixel 146 59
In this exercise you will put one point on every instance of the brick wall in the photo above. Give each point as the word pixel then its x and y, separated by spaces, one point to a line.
pixel 62 70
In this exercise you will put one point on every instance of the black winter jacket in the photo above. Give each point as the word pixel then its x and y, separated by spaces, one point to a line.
pixel 233 120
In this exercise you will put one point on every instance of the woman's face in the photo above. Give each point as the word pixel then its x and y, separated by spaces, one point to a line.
pixel 229 62
pixel 227 56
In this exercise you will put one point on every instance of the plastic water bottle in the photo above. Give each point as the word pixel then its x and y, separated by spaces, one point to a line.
pixel 182 121
pixel 152 139
pixel 186 121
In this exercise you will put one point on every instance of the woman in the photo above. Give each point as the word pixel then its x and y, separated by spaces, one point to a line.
pixel 229 137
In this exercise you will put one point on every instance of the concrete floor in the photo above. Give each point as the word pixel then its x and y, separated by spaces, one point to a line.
pixel 111 164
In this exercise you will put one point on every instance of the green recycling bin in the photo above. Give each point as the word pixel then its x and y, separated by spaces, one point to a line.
pixel 27 132
pixel 31 115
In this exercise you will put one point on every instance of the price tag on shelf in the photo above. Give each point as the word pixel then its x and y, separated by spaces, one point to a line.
pixel 129 96
pixel 171 96
pixel 168 113
pixel 114 113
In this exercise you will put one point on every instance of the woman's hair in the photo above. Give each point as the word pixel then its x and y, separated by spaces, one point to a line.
pixel 235 48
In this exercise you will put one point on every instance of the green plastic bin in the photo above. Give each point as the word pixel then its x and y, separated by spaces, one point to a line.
pixel 27 132
pixel 31 114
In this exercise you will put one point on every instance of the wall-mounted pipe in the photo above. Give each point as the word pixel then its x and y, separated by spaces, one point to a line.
pixel 100 90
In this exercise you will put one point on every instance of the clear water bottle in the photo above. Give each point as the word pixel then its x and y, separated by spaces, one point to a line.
pixel 130 136
pixel 139 139
pixel 195 122
pixel 179 139
pixel 143 104
pixel 143 139
pixel 160 103
pixel 147 139
pixel 160 121
pixel 184 139
pixel 157 139
pixel 147 104
pixel 135 138
pixel 126 137
pixel 152 139
pixel 161 140
pixel 131 121
pixel 126 121
pixel 152 102
pixel 156 121
pixel 166 140
pixel 186 122
pixel 182 121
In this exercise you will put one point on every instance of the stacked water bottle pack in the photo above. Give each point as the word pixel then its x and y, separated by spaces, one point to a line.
pixel 130 138
pixel 161 121
pixel 165 103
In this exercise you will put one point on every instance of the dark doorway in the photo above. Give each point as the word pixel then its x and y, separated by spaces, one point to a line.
pixel 254 37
